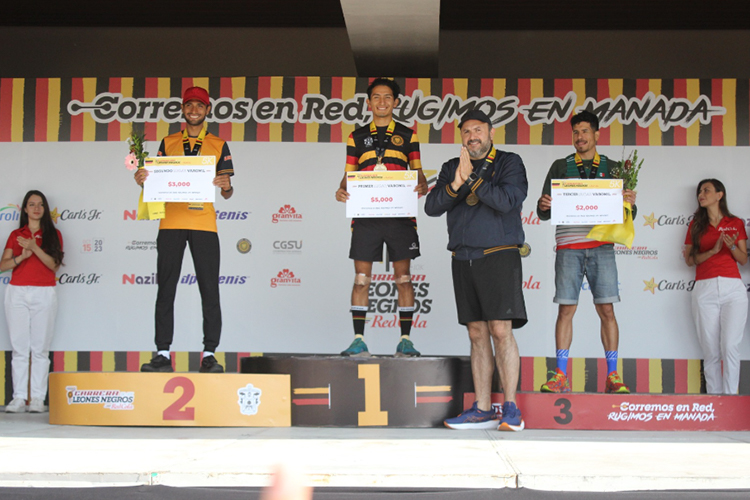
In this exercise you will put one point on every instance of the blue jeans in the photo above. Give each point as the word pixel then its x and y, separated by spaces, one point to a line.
pixel 599 267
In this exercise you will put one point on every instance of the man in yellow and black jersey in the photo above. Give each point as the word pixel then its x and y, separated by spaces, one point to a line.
pixel 193 224
pixel 383 145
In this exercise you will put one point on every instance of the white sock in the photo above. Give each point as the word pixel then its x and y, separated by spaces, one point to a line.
pixel 206 354
pixel 164 353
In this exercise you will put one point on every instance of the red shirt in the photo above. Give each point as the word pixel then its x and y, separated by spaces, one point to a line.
pixel 722 264
pixel 31 271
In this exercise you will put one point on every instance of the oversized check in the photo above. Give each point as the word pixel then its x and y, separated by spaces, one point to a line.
pixel 387 193
pixel 180 178
pixel 586 201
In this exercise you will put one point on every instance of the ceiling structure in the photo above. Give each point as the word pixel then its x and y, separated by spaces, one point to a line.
pixel 393 36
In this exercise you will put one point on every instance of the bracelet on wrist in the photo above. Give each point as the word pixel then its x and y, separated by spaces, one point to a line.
pixel 14 261
pixel 231 188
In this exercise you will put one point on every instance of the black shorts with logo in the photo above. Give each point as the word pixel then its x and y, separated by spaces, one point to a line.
pixel 490 288
pixel 399 235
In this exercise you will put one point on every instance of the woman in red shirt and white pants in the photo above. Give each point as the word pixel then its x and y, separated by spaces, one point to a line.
pixel 715 244
pixel 34 253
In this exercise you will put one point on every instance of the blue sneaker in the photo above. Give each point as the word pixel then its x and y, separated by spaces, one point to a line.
pixel 473 418
pixel 357 349
pixel 405 349
pixel 512 420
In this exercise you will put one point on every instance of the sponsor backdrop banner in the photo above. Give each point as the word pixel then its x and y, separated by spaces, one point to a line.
pixel 285 275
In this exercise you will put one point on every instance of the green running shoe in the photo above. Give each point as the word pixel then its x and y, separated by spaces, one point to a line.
pixel 357 349
pixel 406 349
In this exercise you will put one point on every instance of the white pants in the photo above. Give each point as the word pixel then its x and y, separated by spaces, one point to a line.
pixel 720 312
pixel 30 312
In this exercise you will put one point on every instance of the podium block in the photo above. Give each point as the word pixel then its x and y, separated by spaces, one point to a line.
pixel 630 412
pixel 363 392
pixel 169 399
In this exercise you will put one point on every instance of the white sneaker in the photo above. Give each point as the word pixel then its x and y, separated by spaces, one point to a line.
pixel 37 406
pixel 18 405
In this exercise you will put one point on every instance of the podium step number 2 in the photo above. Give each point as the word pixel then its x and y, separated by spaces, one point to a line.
pixel 170 399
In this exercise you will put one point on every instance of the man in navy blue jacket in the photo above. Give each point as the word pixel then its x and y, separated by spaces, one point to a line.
pixel 483 191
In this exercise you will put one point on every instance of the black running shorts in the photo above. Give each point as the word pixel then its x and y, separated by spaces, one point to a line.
pixel 399 235
pixel 490 288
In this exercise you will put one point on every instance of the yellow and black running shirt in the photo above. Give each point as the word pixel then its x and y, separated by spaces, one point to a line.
pixel 398 145
pixel 197 216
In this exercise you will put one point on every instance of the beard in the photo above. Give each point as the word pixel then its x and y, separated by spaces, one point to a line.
pixel 481 151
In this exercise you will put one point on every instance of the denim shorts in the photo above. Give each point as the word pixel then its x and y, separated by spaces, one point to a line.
pixel 599 267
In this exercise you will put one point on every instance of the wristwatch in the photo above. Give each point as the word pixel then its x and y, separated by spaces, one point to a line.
pixel 472 177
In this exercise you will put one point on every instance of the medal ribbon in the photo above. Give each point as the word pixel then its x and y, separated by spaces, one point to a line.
pixel 594 166
pixel 487 162
pixel 198 143
pixel 196 149
pixel 380 150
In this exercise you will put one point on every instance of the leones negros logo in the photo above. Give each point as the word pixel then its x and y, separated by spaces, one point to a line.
pixel 249 399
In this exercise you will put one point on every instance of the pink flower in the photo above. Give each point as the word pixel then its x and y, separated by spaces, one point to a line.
pixel 131 161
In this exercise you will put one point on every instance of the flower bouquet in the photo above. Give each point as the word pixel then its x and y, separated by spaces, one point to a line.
pixel 624 233
pixel 628 170
pixel 137 155
pixel 136 159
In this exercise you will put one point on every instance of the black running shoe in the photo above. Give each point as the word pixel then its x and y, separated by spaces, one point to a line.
pixel 210 365
pixel 158 363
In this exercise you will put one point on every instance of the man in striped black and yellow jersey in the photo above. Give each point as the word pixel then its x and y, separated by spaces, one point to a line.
pixel 193 224
pixel 383 145
pixel 579 256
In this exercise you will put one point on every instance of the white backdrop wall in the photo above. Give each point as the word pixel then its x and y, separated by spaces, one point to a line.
pixel 103 306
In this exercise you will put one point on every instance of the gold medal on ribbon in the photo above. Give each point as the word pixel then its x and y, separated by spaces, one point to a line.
pixel 472 199
pixel 380 167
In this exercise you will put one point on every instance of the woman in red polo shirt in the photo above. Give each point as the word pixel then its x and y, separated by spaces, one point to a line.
pixel 715 244
pixel 34 253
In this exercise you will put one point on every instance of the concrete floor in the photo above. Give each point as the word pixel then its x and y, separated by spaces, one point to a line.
pixel 36 454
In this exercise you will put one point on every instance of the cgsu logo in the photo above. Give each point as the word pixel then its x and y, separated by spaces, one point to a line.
pixel 287 213
pixel 287 246
pixel 285 278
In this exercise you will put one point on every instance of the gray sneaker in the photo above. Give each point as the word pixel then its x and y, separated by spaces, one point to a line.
pixel 18 405
pixel 37 406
